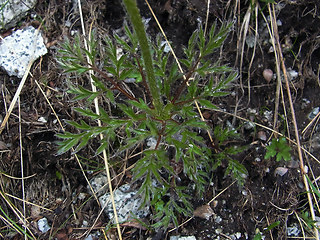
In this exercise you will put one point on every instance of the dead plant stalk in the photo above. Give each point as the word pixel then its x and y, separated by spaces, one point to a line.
pixel 302 169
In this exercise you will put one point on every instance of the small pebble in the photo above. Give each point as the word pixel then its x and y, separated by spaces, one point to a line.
pixel 43 225
pixel 267 74
pixel 314 113
pixel 238 235
pixel 249 125
pixel 262 135
pixel 204 211
pixel 215 203
pixel 293 74
pixel 293 164
pixel 281 171
pixel 42 120
pixel 293 230
pixel 218 219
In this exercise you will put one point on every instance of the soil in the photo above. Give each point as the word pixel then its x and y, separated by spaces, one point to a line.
pixel 55 182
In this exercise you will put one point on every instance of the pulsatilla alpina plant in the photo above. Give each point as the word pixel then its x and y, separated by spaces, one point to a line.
pixel 162 119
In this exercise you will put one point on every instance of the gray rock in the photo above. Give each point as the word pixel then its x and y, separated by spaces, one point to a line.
pixel 43 225
pixel 183 238
pixel 314 113
pixel 293 230
pixel 249 125
pixel 127 202
pixel 99 184
pixel 19 48
pixel 13 11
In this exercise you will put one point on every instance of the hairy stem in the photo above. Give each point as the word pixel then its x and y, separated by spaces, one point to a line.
pixel 138 26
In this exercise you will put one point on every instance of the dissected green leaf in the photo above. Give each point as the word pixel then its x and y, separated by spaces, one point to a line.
pixel 66 145
pixel 87 113
pixel 163 110
pixel 207 104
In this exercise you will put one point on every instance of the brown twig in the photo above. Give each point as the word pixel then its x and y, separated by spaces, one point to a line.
pixel 144 80
pixel 114 83
pixel 185 81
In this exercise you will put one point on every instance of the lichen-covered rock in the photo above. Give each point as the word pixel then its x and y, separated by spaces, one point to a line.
pixel 13 11
pixel 19 48
pixel 127 202
pixel 99 184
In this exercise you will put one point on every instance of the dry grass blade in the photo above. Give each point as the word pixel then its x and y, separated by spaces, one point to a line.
pixel 22 172
pixel 214 198
pixel 177 60
pixel 19 215
pixel 272 32
pixel 29 203
pixel 62 128
pixel 297 136
pixel 271 130
pixel 16 95
pixel 96 104
pixel 301 225
pixel 314 182
pixel 242 40
pixel 313 122
pixel 24 78
pixel 254 50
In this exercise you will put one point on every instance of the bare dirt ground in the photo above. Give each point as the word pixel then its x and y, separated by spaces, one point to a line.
pixel 56 182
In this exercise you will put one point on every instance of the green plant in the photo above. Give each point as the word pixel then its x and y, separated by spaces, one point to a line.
pixel 225 152
pixel 258 235
pixel 309 223
pixel 163 119
pixel 280 148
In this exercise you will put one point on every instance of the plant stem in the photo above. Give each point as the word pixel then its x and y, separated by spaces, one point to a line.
pixel 135 18
pixel 114 83
pixel 185 81
pixel 144 81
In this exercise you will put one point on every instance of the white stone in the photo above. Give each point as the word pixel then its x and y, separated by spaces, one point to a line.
pixel 293 74
pixel 43 225
pixel 89 237
pixel 293 230
pixel 130 80
pixel 249 125
pixel 183 238
pixel 99 184
pixel 166 46
pixel 279 23
pixel 18 49
pixel 42 120
pixel 218 219
pixel 151 142
pixel 314 113
pixel 281 171
pixel 13 11
pixel 127 201
pixel 268 115
pixel 238 235
pixel 250 39
pixel 305 103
